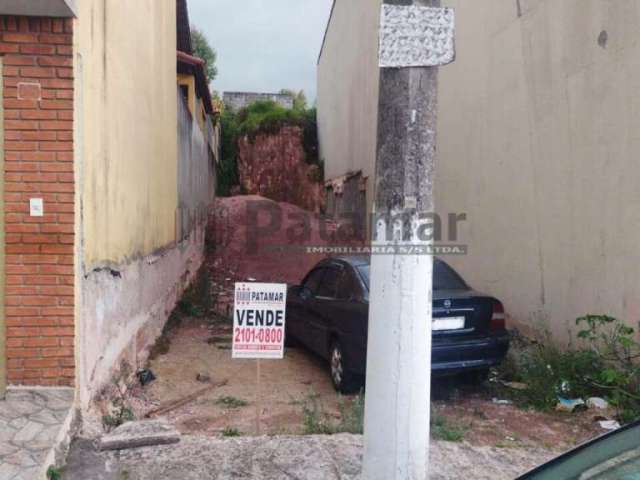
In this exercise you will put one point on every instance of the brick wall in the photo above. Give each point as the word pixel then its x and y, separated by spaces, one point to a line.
pixel 38 122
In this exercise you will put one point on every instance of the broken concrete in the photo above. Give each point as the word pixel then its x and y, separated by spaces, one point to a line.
pixel 285 457
pixel 140 434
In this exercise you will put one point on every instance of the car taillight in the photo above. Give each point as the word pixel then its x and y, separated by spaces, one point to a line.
pixel 497 317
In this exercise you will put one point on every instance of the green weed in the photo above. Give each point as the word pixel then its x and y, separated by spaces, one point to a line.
pixel 444 429
pixel 231 402
pixel 53 473
pixel 231 432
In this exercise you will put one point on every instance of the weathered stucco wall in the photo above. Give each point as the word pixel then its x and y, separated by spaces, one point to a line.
pixel 537 144
pixel 348 83
pixel 124 311
pixel 127 55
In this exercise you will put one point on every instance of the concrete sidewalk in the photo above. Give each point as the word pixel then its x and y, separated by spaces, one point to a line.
pixel 317 457
pixel 33 424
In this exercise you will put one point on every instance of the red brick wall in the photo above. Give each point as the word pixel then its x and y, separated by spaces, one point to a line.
pixel 38 122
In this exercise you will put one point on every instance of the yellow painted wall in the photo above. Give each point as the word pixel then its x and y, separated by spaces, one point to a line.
pixel 127 127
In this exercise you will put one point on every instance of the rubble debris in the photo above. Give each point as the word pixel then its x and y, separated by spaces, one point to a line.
pixel 143 433
pixel 203 377
pixel 570 404
pixel 609 424
pixel 597 402
pixel 499 401
pixel 172 405
pixel 145 376
pixel 516 385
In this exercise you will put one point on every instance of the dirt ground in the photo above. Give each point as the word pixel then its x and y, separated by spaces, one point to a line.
pixel 286 386
pixel 202 346
pixel 302 380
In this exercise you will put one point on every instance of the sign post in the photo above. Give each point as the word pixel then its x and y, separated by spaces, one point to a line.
pixel 258 327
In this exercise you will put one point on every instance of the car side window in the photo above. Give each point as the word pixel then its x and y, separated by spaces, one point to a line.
pixel 329 283
pixel 347 288
pixel 313 280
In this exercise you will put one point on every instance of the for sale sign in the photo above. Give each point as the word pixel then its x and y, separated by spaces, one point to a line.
pixel 258 320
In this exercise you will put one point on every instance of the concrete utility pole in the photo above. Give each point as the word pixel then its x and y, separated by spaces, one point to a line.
pixel 414 40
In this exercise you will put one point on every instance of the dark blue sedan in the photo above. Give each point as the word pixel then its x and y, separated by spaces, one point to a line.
pixel 328 314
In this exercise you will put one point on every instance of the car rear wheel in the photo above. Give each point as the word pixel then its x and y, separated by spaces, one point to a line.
pixel 476 377
pixel 343 380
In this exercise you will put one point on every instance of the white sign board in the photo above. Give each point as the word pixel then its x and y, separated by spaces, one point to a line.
pixel 258 320
pixel 415 36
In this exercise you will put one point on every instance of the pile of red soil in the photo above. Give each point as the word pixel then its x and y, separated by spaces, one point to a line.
pixel 255 239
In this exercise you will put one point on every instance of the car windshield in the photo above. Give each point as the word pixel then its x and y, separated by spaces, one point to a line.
pixel 363 270
pixel 444 277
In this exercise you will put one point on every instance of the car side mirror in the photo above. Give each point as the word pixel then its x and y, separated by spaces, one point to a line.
pixel 305 293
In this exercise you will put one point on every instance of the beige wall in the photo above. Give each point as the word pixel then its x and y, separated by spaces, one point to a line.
pixel 127 127
pixel 538 145
pixel 348 90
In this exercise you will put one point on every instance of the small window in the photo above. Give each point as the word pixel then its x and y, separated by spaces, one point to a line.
pixel 185 93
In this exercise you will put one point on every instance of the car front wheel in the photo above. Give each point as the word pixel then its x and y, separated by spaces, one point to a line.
pixel 343 380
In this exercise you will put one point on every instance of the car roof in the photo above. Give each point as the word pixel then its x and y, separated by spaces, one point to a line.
pixel 353 260
pixel 356 260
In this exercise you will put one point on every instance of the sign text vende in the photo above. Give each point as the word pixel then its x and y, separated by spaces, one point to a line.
pixel 259 320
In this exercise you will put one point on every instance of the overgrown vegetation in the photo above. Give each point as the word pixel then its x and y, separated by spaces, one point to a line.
pixel 444 429
pixel 203 49
pixel 316 421
pixel 227 167
pixel 263 117
pixel 196 301
pixel 119 409
pixel 602 362
pixel 231 402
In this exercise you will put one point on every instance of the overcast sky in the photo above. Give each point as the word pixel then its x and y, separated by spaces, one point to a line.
pixel 263 45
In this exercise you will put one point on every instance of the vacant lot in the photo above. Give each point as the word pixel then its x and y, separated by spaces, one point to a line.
pixel 297 390
pixel 212 396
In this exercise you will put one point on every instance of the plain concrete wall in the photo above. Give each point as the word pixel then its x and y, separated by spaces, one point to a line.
pixel 238 100
pixel 128 126
pixel 348 84
pixel 538 144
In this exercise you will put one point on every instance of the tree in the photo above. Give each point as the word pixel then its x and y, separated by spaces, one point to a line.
pixel 202 49
pixel 299 99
